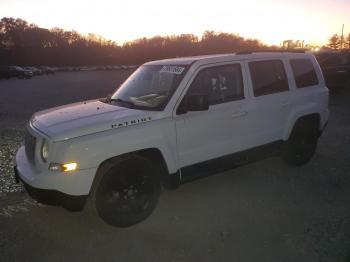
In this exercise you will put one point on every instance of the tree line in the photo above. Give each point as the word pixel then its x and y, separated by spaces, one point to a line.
pixel 337 42
pixel 22 43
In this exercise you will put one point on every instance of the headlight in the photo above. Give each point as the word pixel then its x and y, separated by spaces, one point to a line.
pixel 44 152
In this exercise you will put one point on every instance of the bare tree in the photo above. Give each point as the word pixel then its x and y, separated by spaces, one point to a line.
pixel 334 42
pixel 347 41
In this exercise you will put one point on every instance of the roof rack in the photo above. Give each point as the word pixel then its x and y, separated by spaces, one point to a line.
pixel 269 51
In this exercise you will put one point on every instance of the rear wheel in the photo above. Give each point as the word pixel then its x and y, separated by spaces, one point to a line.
pixel 127 193
pixel 302 143
pixel 300 149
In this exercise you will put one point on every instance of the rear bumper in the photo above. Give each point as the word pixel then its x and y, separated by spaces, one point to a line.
pixel 53 197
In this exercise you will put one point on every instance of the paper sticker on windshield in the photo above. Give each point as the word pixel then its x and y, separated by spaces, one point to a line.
pixel 172 69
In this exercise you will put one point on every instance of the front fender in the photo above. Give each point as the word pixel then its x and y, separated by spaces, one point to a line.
pixel 90 151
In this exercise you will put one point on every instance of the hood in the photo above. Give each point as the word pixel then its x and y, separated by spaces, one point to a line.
pixel 83 118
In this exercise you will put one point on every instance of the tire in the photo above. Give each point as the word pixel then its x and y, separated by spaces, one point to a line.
pixel 127 193
pixel 300 148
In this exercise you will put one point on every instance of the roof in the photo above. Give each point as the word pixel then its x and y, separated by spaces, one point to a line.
pixel 185 60
pixel 220 57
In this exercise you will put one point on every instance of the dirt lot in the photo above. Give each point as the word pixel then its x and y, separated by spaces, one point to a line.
pixel 266 211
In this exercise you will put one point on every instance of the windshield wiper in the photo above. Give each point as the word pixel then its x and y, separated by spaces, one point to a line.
pixel 118 100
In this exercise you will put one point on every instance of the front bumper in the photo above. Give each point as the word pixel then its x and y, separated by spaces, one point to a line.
pixel 50 187
pixel 53 197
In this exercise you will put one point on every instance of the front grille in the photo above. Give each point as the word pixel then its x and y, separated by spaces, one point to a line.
pixel 29 145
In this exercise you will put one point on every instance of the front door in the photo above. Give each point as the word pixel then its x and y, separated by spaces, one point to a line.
pixel 205 135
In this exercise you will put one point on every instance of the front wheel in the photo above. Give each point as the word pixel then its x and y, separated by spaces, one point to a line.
pixel 127 193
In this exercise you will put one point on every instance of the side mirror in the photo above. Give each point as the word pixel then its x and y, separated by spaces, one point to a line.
pixel 194 102
pixel 106 99
pixel 109 96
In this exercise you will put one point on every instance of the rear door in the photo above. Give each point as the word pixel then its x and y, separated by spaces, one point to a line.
pixel 271 99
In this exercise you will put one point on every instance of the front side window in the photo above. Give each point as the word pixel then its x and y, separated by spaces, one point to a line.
pixel 268 77
pixel 304 73
pixel 150 87
pixel 221 84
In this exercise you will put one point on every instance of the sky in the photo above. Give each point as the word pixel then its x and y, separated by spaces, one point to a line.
pixel 270 21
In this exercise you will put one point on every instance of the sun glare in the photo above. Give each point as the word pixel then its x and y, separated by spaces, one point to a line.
pixel 270 21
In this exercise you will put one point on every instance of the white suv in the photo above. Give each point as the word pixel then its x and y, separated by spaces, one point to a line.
pixel 169 122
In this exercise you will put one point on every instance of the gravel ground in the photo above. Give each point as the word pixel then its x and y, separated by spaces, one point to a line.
pixel 265 211
pixel 10 140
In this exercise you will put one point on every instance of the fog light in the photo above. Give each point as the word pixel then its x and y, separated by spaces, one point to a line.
pixel 63 167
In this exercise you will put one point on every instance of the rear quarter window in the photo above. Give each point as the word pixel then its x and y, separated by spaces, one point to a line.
pixel 268 77
pixel 304 73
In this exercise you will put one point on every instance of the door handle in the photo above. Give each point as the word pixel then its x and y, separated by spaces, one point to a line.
pixel 239 114
pixel 285 104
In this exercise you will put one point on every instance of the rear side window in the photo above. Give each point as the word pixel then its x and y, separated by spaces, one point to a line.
pixel 268 77
pixel 304 72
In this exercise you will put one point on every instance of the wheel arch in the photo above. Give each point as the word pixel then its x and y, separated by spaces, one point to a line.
pixel 312 122
pixel 154 155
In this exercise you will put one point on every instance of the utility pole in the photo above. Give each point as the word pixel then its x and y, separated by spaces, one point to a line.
pixel 342 37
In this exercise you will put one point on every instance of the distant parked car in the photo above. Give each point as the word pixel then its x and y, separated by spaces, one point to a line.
pixel 100 68
pixel 84 68
pixel 22 72
pixel 14 71
pixel 62 69
pixel 35 71
pixel 47 70
pixel 335 67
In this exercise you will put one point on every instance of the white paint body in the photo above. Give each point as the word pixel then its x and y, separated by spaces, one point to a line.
pixel 83 132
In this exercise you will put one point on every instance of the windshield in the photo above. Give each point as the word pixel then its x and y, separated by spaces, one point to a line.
pixel 150 87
